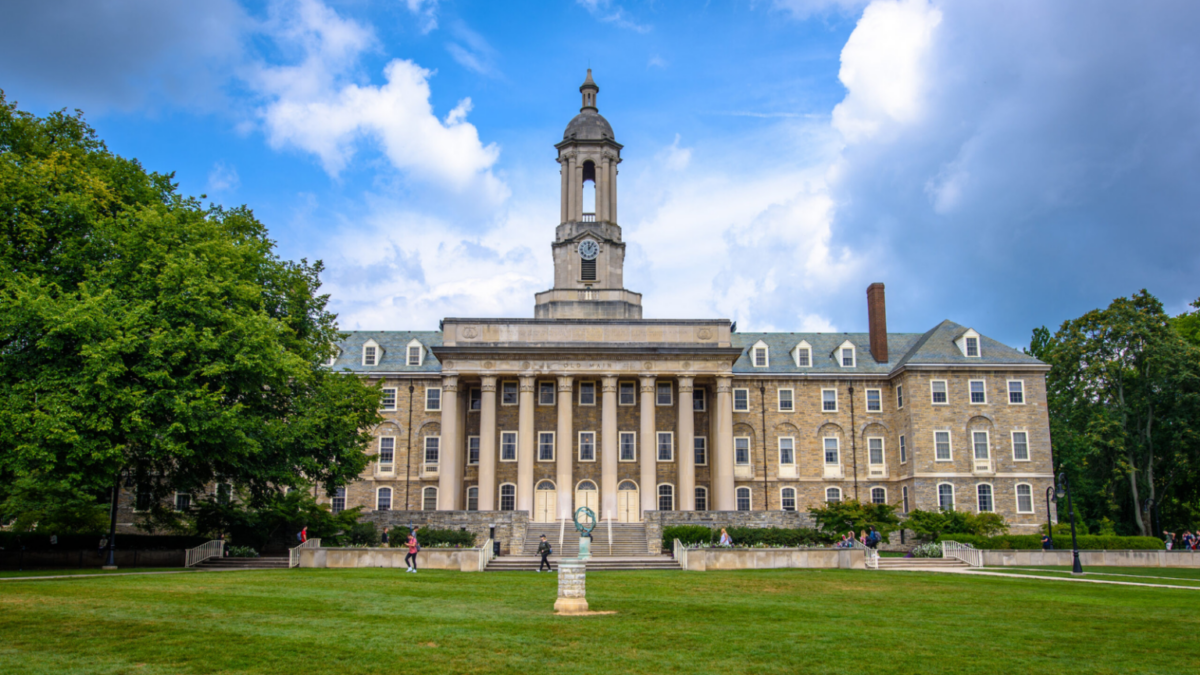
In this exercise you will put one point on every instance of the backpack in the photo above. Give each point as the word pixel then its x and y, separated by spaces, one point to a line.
pixel 876 537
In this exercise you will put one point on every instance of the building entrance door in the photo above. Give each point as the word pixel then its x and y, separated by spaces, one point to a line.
pixel 545 503
pixel 628 506
pixel 587 495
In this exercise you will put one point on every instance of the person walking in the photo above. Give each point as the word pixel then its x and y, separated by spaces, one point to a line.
pixel 303 535
pixel 383 539
pixel 1047 543
pixel 1169 538
pixel 413 547
pixel 873 537
pixel 726 540
pixel 543 550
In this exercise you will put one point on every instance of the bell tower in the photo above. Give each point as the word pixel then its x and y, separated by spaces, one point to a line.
pixel 589 256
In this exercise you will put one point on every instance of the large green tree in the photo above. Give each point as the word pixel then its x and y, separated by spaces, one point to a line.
pixel 148 340
pixel 1124 398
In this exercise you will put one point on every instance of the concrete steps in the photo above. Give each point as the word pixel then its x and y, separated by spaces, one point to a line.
pixel 523 563
pixel 263 563
pixel 911 564
pixel 628 540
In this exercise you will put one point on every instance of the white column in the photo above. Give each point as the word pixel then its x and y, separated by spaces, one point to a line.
pixel 612 191
pixel 686 447
pixel 647 446
pixel 449 468
pixel 722 467
pixel 525 443
pixel 577 190
pixel 569 188
pixel 602 190
pixel 565 441
pixel 487 444
pixel 608 448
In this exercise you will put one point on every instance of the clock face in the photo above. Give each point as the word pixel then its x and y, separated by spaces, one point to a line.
pixel 588 249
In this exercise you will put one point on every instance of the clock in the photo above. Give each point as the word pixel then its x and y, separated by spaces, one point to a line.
pixel 588 249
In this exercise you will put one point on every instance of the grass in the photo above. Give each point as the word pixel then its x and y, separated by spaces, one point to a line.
pixel 4 574
pixel 770 621
pixel 1150 575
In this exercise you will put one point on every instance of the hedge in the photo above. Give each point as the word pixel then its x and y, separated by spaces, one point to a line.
pixel 430 537
pixel 745 536
pixel 76 542
pixel 1034 541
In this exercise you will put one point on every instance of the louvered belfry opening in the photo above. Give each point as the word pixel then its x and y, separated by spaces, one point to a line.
pixel 587 270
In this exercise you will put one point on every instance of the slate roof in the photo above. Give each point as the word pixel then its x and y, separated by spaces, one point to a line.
pixel 935 347
pixel 394 358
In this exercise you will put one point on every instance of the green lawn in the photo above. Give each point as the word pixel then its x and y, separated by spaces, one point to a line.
pixel 1151 574
pixel 773 621
pixel 88 570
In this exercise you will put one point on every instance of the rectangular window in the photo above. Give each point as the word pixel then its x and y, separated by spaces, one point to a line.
pixel 430 499
pixel 899 396
pixel 383 500
pixel 627 393
pixel 508 497
pixel 338 503
pixel 874 400
pixel 508 446
pixel 546 393
pixel 662 393
pixel 760 357
pixel 1024 498
pixel 972 346
pixel 904 498
pixel 787 450
pixel 472 499
pixel 433 446
pixel 699 399
pixel 743 499
pixel 786 400
pixel 903 450
pixel 831 451
pixel 978 394
pixel 803 358
pixel 941 446
pixel 142 500
pixel 984 493
pixel 1020 441
pixel 938 390
pixel 368 356
pixel 472 449
pixel 508 393
pixel 183 501
pixel 701 499
pixel 787 499
pixel 666 446
pixel 741 400
pixel 666 498
pixel 829 400
pixel 741 450
pixel 628 448
pixel 388 402
pixel 847 357
pixel 875 450
pixel 587 393
pixel 587 446
pixel 980 441
pixel 387 450
pixel 701 446
pixel 546 446
pixel 1016 392
pixel 414 356
pixel 474 399
pixel 433 399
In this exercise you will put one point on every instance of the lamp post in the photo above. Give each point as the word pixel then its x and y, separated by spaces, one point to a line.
pixel 1065 488
pixel 1049 522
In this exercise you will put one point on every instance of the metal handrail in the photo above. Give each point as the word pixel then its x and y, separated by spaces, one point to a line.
pixel 211 549
pixel 681 554
pixel 964 552
pixel 872 556
pixel 294 553
pixel 485 555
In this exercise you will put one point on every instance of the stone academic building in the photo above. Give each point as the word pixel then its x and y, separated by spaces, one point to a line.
pixel 589 403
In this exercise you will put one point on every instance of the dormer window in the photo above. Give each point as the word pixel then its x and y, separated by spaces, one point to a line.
pixel 968 344
pixel 803 355
pixel 759 355
pixel 371 353
pixel 846 354
pixel 414 353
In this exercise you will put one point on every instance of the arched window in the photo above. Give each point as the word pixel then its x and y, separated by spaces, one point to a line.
pixel 1024 498
pixel 224 493
pixel 589 191
pixel 743 499
pixel 473 499
pixel 701 498
pixel 983 494
pixel 787 499
pixel 946 496
pixel 833 495
pixel 338 503
pixel 508 497
pixel 666 497
pixel 878 495
pixel 383 499
pixel 545 485
pixel 429 499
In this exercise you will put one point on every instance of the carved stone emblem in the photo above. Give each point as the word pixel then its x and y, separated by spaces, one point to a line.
pixel 525 366
pixel 648 366
pixel 470 332
pixel 488 365
pixel 704 333
pixel 447 364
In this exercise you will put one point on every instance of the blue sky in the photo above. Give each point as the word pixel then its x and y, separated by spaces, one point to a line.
pixel 1001 164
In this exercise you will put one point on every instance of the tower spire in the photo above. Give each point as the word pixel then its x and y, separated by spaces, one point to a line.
pixel 589 89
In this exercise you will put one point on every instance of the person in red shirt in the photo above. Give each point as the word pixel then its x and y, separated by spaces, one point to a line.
pixel 413 547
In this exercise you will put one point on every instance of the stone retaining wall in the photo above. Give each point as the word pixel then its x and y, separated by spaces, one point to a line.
pixel 657 520
pixel 705 559
pixel 510 525
pixel 461 559
pixel 12 559
pixel 1063 557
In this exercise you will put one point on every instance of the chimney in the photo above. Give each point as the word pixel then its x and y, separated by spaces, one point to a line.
pixel 877 322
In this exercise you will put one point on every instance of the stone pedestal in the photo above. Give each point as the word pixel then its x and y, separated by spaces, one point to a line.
pixel 572 588
pixel 585 548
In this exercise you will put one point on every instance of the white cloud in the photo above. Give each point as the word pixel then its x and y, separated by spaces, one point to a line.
pixel 477 55
pixel 223 178
pixel 609 12
pixel 656 61
pixel 426 11
pixel 316 106
pixel 803 9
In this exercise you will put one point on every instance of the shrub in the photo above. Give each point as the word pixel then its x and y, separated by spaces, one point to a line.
pixel 242 552
pixel 1034 541
pixel 688 534
pixel 930 525
pixel 429 537
pixel 75 542
pixel 837 518
pixel 745 536
pixel 929 550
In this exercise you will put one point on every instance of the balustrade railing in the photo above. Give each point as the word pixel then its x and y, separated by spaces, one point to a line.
pixel 212 549
pixel 681 554
pixel 589 218
pixel 294 553
pixel 964 552
pixel 871 555
pixel 485 555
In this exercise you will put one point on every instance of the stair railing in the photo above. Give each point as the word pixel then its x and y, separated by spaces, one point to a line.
pixel 485 555
pixel 212 549
pixel 872 556
pixel 294 553
pixel 964 552
pixel 681 554
pixel 610 533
